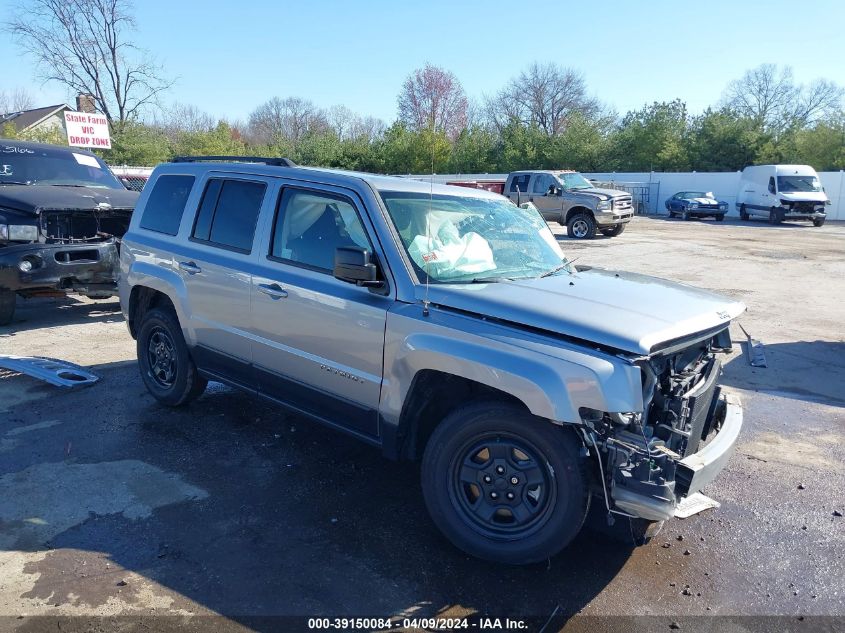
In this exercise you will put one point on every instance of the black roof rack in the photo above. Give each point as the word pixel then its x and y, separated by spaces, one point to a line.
pixel 279 162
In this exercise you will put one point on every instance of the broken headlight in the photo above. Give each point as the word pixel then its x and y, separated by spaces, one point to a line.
pixel 18 232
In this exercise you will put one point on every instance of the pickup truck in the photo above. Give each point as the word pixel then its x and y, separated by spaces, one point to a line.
pixel 570 199
pixel 62 214
pixel 440 324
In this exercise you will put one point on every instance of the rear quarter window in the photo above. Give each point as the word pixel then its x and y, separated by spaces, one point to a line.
pixel 166 204
pixel 228 213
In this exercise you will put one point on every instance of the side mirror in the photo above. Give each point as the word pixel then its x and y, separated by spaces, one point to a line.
pixel 352 264
pixel 554 191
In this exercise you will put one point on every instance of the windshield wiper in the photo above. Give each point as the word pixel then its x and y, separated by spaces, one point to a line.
pixel 64 184
pixel 488 280
pixel 563 266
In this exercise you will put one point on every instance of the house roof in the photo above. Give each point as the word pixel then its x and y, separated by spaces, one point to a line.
pixel 27 119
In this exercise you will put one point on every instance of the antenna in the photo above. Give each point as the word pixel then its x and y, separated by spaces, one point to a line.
pixel 428 223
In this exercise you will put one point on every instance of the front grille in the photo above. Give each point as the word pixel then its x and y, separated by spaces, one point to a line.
pixel 622 203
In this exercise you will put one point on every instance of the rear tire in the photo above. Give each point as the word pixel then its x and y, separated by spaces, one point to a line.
pixel 743 214
pixel 613 231
pixel 581 226
pixel 7 305
pixel 469 468
pixel 167 369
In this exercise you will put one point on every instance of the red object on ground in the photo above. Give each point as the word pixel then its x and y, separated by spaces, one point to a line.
pixel 496 186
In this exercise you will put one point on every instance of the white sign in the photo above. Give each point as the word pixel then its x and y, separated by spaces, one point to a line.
pixel 87 130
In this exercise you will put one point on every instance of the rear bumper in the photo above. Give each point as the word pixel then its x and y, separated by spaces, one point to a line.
pixel 82 268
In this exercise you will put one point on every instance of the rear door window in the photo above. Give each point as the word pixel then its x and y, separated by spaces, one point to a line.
pixel 228 213
pixel 166 204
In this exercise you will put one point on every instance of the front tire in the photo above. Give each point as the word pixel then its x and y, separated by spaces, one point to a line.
pixel 720 218
pixel 503 485
pixel 775 216
pixel 167 369
pixel 686 215
pixel 613 231
pixel 743 214
pixel 819 222
pixel 581 226
pixel 7 305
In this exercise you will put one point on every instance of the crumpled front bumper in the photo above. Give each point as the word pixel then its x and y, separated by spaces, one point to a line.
pixel 86 268
pixel 692 473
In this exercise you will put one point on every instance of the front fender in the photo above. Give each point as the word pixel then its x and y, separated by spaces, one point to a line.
pixel 552 380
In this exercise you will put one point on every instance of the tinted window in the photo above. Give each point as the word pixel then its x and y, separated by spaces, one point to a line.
pixel 166 204
pixel 542 184
pixel 520 182
pixel 309 227
pixel 228 213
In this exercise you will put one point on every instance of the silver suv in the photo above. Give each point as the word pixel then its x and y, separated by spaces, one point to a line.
pixel 438 323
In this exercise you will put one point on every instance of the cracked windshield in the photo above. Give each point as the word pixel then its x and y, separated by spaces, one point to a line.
pixel 454 239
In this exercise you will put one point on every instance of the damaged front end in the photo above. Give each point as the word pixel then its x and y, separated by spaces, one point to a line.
pixel 650 460
pixel 76 250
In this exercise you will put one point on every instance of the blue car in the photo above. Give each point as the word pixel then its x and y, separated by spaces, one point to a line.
pixel 690 204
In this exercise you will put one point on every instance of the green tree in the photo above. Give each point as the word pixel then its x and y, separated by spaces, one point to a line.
pixel 138 145
pixel 822 146
pixel 724 141
pixel 653 138
pixel 585 145
pixel 220 141
pixel 416 152
pixel 523 147
pixel 474 151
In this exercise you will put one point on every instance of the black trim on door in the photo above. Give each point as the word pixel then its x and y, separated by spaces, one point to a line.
pixel 322 406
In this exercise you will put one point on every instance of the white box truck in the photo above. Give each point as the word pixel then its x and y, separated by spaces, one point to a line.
pixel 781 192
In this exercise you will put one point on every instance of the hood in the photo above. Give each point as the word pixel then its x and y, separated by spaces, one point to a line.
pixel 36 198
pixel 704 201
pixel 600 193
pixel 627 311
pixel 803 196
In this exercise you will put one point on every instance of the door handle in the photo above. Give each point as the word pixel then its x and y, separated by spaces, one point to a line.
pixel 190 267
pixel 274 291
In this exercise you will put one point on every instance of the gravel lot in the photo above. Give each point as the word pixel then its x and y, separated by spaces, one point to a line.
pixel 111 504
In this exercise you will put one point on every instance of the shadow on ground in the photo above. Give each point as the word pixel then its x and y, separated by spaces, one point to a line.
pixel 813 371
pixel 33 314
pixel 235 508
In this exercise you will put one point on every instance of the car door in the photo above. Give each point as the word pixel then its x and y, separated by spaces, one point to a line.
pixel 318 341
pixel 549 205
pixel 214 265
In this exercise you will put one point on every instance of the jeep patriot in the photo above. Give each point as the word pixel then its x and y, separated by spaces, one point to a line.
pixel 440 324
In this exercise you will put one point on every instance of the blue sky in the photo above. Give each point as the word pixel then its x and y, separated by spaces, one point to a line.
pixel 229 57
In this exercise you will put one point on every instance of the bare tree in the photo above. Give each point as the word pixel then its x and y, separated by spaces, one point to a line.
pixel 181 117
pixel 432 98
pixel 770 97
pixel 82 45
pixel 349 125
pixel 15 100
pixel 545 95
pixel 285 120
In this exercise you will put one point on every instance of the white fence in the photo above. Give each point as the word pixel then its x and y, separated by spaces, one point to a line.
pixel 662 185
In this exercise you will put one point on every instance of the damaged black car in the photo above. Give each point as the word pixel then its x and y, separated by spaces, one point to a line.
pixel 62 215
